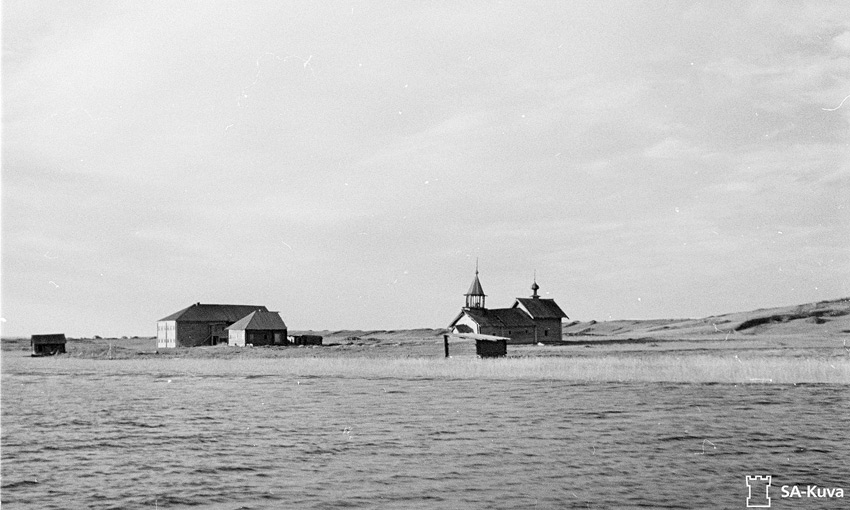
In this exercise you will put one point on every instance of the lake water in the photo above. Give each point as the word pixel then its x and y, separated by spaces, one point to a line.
pixel 118 434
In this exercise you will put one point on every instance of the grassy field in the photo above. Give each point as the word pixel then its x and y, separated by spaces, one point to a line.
pixel 699 369
pixel 801 344
pixel 417 357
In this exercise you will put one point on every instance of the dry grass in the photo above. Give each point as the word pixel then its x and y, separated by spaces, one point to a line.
pixel 698 369
pixel 684 369
pixel 418 354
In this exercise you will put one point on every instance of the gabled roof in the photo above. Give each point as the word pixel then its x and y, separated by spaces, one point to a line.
pixel 213 313
pixel 498 317
pixel 48 339
pixel 514 317
pixel 259 319
pixel 541 308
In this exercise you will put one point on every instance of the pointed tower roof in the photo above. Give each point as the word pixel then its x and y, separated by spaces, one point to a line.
pixel 475 289
pixel 475 295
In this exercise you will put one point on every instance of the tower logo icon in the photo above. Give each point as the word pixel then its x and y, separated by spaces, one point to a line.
pixel 758 491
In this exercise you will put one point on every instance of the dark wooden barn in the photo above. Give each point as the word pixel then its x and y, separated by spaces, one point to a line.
pixel 201 324
pixel 48 345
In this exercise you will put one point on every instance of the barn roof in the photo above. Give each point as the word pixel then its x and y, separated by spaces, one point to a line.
pixel 259 319
pixel 500 317
pixel 213 313
pixel 541 308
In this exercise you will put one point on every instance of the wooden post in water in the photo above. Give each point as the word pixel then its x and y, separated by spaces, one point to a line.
pixel 446 344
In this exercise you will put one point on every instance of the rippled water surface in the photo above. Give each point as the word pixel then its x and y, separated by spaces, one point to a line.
pixel 106 434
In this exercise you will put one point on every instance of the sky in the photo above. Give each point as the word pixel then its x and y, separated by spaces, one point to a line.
pixel 347 163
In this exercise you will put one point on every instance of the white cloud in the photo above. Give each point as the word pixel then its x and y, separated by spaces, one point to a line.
pixel 842 42
pixel 672 148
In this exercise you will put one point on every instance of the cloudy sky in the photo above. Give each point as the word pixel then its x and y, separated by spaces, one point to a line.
pixel 347 162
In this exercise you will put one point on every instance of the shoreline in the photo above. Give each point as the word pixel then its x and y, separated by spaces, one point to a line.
pixel 767 359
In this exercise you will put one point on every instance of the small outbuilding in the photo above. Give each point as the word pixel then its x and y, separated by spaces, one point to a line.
pixel 305 340
pixel 491 348
pixel 260 327
pixel 48 345
pixel 486 346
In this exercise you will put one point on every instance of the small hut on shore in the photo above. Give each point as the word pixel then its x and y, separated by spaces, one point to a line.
pixel 48 345
pixel 486 346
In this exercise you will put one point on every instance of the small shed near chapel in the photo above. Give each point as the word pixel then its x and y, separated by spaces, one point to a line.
pixel 48 345
pixel 260 327
pixel 486 346
pixel 491 348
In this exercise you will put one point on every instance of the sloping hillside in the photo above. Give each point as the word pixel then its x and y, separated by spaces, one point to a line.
pixel 822 318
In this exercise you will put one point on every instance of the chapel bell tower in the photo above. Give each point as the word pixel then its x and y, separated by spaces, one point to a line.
pixel 475 295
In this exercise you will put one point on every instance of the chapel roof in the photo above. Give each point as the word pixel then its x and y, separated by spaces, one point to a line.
pixel 541 308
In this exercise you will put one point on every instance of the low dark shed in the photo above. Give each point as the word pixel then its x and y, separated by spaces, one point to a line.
pixel 48 345
pixel 305 340
pixel 486 346
pixel 491 348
